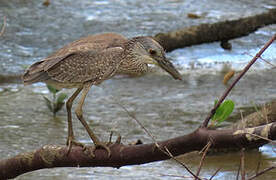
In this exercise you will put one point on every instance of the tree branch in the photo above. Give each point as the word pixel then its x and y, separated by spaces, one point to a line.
pixel 51 156
pixel 220 31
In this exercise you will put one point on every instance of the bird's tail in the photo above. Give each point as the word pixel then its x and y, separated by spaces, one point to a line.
pixel 35 73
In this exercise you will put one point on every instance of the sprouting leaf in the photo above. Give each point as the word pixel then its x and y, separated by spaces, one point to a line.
pixel 223 111
pixel 61 97
pixel 52 89
pixel 48 103
pixel 58 107
pixel 55 104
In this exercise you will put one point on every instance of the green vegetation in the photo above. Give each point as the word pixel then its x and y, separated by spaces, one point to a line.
pixel 57 101
pixel 223 112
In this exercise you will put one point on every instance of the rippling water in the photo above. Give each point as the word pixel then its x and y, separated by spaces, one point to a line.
pixel 33 31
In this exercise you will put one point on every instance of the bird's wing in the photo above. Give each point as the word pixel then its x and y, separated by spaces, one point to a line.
pixel 37 72
pixel 82 66
pixel 93 42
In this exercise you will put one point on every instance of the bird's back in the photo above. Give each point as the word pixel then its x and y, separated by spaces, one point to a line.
pixel 93 42
pixel 71 61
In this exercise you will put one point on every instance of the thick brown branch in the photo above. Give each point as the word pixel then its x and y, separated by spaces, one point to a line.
pixel 50 156
pixel 220 31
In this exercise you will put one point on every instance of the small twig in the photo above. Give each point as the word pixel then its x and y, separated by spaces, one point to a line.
pixel 3 27
pixel 242 164
pixel 258 165
pixel 167 152
pixel 140 124
pixel 266 114
pixel 238 173
pixel 269 140
pixel 204 148
pixel 203 157
pixel 260 173
pixel 262 59
pixel 261 116
pixel 215 173
pixel 227 91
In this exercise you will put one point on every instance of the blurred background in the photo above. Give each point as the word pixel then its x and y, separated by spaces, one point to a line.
pixel 167 108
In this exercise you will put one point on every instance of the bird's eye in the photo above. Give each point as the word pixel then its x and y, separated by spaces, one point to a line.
pixel 152 52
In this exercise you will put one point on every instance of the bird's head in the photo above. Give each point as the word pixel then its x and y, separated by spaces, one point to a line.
pixel 149 51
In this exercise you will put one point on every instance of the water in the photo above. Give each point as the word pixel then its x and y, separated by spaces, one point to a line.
pixel 159 102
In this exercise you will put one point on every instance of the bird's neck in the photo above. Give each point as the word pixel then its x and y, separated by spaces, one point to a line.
pixel 132 66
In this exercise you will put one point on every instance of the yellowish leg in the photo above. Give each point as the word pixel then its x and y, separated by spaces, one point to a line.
pixel 71 139
pixel 79 113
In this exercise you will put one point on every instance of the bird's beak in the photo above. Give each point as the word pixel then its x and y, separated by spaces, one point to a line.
pixel 165 64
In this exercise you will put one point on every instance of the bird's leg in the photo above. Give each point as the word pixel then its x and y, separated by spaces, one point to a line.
pixel 78 112
pixel 70 138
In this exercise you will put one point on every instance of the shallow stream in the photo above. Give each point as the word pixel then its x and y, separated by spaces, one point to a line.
pixel 167 108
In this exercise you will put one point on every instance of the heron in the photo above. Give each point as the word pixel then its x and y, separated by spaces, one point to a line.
pixel 90 61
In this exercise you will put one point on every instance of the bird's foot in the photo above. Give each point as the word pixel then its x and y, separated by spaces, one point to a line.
pixel 100 145
pixel 71 141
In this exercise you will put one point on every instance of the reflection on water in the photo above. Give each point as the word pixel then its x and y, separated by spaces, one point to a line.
pixel 159 102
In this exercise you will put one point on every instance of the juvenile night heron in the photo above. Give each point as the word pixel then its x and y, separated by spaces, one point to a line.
pixel 91 60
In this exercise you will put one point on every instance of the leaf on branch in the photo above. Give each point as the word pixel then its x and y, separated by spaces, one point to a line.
pixel 223 111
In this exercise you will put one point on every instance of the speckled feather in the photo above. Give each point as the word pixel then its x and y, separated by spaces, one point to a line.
pixel 85 66
pixel 39 71
pixel 93 58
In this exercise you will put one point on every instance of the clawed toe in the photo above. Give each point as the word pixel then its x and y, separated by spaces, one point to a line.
pixel 101 145
pixel 71 141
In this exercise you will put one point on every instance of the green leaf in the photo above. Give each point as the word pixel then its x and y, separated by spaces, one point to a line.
pixel 48 103
pixel 58 107
pixel 52 89
pixel 223 111
pixel 61 97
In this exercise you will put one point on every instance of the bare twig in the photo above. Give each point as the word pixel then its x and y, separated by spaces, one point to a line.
pixel 262 172
pixel 261 115
pixel 242 164
pixel 273 66
pixel 269 140
pixel 225 94
pixel 4 26
pixel 140 124
pixel 203 157
pixel 258 165
pixel 215 173
pixel 238 172
pixel 167 152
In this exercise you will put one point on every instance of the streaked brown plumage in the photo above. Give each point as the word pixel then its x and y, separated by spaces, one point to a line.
pixel 91 60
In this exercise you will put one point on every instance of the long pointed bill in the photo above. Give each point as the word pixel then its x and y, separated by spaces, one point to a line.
pixel 168 66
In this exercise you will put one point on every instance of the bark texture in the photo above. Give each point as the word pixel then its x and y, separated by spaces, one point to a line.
pixel 220 31
pixel 51 156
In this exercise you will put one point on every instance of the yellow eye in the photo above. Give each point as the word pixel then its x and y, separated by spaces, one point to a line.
pixel 152 52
